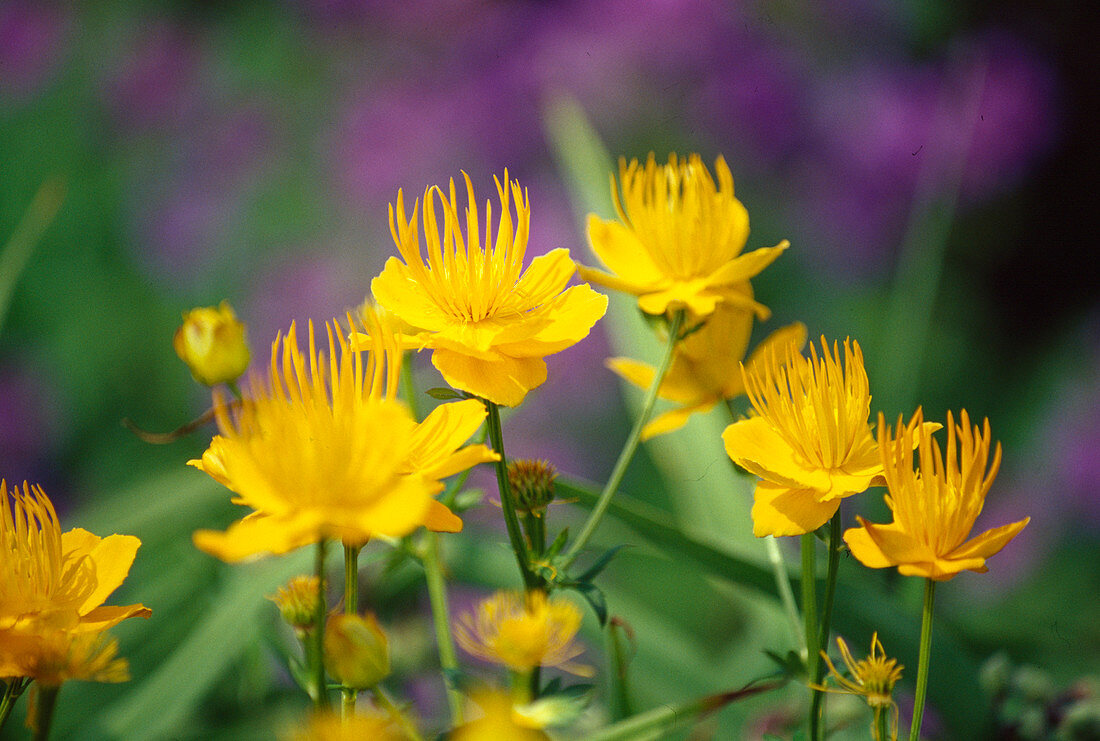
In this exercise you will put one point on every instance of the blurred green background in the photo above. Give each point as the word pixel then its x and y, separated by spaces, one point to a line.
pixel 931 163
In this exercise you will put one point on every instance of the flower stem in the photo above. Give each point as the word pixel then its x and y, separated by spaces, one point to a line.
pixel 395 713
pixel 925 655
pixel 786 596
pixel 320 699
pixel 809 620
pixel 827 609
pixel 880 728
pixel 43 712
pixel 629 448
pixel 351 607
pixel 511 520
pixel 13 688
pixel 437 598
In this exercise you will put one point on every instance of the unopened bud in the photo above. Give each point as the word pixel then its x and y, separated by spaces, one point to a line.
pixel 532 484
pixel 357 653
pixel 212 342
pixel 297 602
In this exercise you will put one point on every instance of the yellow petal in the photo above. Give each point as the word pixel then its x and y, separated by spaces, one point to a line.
pixel 989 542
pixel 442 433
pixel 257 535
pixel 398 513
pixel 546 277
pixel 505 382
pixel 572 315
pixel 879 546
pixel 754 445
pixel 746 266
pixel 636 372
pixel 673 420
pixel 112 557
pixel 108 616
pixel 779 510
pixel 440 519
pixel 396 290
pixel 614 282
pixel 620 250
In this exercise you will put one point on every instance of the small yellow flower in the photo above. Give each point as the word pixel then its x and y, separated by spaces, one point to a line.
pixel 809 440
pixel 936 505
pixel 501 720
pixel 324 450
pixel 212 342
pixel 53 583
pixel 706 367
pixel 872 678
pixel 489 323
pixel 362 725
pixel 678 240
pixel 297 601
pixel 357 652
pixel 522 631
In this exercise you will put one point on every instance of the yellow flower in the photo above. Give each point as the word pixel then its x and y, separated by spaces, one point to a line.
pixel 678 241
pixel 54 583
pixel 324 450
pixel 212 343
pixel 54 658
pixel 809 440
pixel 872 678
pixel 297 601
pixel 489 323
pixel 502 720
pixel 357 652
pixel 706 367
pixel 523 631
pixel 935 506
pixel 331 727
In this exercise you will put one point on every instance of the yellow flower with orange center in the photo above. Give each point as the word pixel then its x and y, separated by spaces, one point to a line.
pixel 324 450
pixel 523 631
pixel 936 504
pixel 488 322
pixel 809 440
pixel 53 584
pixel 678 240
pixel 706 366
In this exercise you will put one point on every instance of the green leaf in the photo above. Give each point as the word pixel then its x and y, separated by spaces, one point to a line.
pixel 443 393
pixel 601 563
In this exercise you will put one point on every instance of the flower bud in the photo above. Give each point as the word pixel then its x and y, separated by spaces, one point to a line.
pixel 297 602
pixel 212 342
pixel 532 484
pixel 357 653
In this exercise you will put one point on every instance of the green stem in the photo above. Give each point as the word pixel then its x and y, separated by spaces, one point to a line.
pixel 408 385
pixel 786 596
pixel 235 389
pixel 827 609
pixel 880 729
pixel 629 448
pixel 395 713
pixel 530 580
pixel 320 698
pixel 351 607
pixel 809 619
pixel 43 711
pixel 925 656
pixel 13 688
pixel 437 598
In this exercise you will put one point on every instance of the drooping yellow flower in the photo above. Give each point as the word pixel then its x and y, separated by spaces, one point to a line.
pixel 501 720
pixel 322 449
pixel 53 583
pixel 212 342
pixel 809 440
pixel 56 657
pixel 936 505
pixel 706 367
pixel 678 240
pixel 523 631
pixel 872 678
pixel 297 601
pixel 489 323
